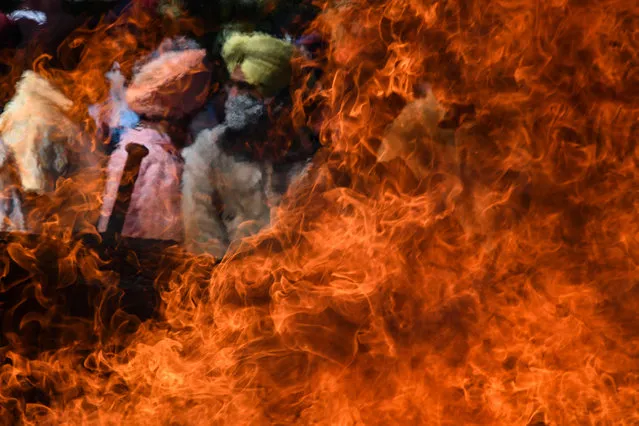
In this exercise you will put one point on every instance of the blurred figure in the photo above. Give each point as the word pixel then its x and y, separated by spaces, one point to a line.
pixel 45 23
pixel 113 117
pixel 418 137
pixel 237 172
pixel 11 214
pixel 37 27
pixel 167 88
pixel 43 141
pixel 9 32
pixel 36 127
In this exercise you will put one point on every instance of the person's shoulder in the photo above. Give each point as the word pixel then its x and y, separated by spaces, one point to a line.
pixel 206 145
pixel 143 135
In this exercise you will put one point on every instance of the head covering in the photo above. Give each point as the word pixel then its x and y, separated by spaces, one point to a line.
pixel 37 129
pixel 172 82
pixel 415 132
pixel 264 60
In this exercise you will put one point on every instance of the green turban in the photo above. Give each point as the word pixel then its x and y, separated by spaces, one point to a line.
pixel 264 60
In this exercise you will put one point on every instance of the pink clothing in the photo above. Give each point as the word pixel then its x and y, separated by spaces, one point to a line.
pixel 155 209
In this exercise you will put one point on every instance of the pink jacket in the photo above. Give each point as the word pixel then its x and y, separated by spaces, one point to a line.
pixel 155 209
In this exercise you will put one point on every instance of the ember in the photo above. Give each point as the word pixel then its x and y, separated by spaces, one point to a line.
pixel 463 249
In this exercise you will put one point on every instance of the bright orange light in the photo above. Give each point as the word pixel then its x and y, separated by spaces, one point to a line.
pixel 488 277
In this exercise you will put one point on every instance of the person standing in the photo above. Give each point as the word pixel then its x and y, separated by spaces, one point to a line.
pixel 238 171
pixel 167 88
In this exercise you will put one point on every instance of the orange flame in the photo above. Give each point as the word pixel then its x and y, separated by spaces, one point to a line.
pixel 491 282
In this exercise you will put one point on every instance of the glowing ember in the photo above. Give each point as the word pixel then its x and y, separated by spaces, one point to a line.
pixel 489 280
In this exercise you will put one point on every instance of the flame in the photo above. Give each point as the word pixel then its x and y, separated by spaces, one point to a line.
pixel 489 282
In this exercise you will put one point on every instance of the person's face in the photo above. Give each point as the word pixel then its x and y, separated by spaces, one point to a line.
pixel 239 86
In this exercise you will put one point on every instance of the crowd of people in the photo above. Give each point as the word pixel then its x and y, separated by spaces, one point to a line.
pixel 218 161
pixel 213 113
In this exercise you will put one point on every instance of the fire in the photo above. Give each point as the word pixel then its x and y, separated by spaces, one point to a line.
pixel 491 281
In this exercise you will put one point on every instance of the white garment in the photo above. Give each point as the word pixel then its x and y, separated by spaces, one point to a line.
pixel 31 15
pixel 226 198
